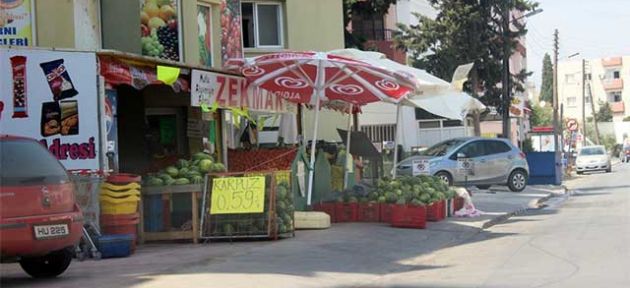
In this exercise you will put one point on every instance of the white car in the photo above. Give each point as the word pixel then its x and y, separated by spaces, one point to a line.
pixel 592 158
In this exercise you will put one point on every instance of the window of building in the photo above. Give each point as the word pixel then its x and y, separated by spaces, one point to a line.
pixel 569 78
pixel 369 26
pixel 588 76
pixel 571 101
pixel 616 75
pixel 262 24
pixel 614 96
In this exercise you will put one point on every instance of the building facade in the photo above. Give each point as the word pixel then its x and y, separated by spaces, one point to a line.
pixel 599 79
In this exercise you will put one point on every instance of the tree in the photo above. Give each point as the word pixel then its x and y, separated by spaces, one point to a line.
pixel 605 113
pixel 466 31
pixel 541 116
pixel 546 88
pixel 364 7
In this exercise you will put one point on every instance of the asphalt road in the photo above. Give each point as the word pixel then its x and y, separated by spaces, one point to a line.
pixel 582 241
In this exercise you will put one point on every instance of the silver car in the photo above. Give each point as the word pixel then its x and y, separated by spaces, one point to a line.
pixel 592 158
pixel 494 162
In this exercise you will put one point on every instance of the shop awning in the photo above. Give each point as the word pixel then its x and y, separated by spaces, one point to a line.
pixel 139 71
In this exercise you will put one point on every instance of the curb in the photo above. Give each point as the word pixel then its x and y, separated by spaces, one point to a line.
pixel 534 204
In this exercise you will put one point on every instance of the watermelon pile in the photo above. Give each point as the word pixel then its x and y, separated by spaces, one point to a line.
pixel 185 172
pixel 284 208
pixel 416 190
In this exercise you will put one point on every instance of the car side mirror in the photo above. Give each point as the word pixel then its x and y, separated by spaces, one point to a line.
pixel 461 155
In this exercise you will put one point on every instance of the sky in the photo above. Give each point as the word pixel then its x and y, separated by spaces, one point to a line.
pixel 593 28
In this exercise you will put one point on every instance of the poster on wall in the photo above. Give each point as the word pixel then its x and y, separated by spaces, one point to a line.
pixel 204 24
pixel 159 25
pixel 51 96
pixel 16 28
pixel 231 38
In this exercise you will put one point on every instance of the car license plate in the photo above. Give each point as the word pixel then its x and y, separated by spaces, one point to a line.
pixel 50 231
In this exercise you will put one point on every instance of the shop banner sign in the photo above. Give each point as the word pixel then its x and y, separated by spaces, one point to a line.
pixel 231 92
pixel 52 97
pixel 238 195
pixel 16 28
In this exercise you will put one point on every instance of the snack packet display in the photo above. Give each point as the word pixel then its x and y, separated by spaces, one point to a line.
pixel 69 117
pixel 51 119
pixel 58 79
pixel 18 66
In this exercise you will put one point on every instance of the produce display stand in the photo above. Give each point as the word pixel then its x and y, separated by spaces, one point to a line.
pixel 166 192
pixel 237 205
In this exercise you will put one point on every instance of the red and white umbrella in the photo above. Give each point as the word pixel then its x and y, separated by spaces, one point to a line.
pixel 315 77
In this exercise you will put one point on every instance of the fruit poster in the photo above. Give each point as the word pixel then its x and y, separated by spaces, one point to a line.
pixel 204 24
pixel 16 27
pixel 52 97
pixel 231 38
pixel 159 26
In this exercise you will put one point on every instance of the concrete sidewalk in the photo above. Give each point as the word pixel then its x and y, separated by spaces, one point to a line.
pixel 498 204
pixel 348 253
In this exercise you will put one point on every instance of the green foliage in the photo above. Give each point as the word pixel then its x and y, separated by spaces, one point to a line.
pixel 608 141
pixel 465 32
pixel 541 116
pixel 546 89
pixel 605 113
pixel 627 119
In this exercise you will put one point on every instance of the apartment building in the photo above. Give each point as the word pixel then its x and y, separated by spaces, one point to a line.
pixel 599 79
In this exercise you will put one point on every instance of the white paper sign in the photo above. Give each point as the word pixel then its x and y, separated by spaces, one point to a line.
pixel 420 167
pixel 57 106
pixel 465 166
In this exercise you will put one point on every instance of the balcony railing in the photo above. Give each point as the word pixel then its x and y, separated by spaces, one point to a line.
pixel 618 107
pixel 613 84
pixel 612 61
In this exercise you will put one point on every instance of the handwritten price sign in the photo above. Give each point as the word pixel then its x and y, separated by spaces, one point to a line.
pixel 238 195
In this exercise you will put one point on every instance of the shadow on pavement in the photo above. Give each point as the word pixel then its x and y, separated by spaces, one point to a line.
pixel 371 249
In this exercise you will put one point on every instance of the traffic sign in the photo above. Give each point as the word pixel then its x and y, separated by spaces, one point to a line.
pixel 572 125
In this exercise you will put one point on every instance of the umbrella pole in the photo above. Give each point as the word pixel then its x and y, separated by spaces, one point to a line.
pixel 396 140
pixel 348 157
pixel 311 171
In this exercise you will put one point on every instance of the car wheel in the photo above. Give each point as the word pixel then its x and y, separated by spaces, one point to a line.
pixel 483 187
pixel 609 169
pixel 517 181
pixel 49 266
pixel 446 177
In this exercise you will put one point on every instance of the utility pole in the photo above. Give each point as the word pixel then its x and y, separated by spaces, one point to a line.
pixel 507 99
pixel 594 114
pixel 556 124
pixel 583 102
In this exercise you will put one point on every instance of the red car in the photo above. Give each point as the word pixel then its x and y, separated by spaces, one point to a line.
pixel 39 220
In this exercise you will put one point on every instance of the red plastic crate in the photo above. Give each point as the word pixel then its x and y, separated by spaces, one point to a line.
pixel 458 202
pixel 369 212
pixel 121 224
pixel 436 211
pixel 346 212
pixel 385 211
pixel 409 216
pixel 328 208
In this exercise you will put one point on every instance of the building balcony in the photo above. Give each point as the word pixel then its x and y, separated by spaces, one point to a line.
pixel 618 107
pixel 612 84
pixel 388 48
pixel 612 61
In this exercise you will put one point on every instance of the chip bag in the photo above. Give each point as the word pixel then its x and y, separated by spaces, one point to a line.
pixel 58 79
